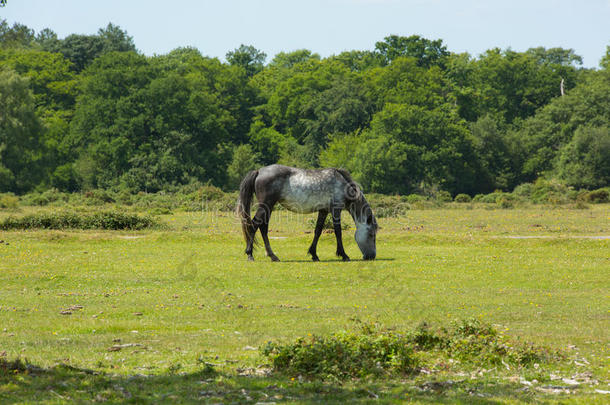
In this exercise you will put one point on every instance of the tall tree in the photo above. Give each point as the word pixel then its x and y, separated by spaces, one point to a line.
pixel 426 52
pixel 17 36
pixel 81 50
pixel 248 57
pixel 20 134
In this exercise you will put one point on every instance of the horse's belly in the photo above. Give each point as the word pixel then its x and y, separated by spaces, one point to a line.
pixel 305 203
pixel 306 193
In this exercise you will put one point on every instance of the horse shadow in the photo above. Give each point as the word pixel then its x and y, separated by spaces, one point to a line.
pixel 337 260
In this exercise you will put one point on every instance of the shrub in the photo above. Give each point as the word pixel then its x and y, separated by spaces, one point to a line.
pixel 373 351
pixel 9 200
pixel 99 197
pixel 444 196
pixel 385 206
pixel 413 198
pixel 506 201
pixel 462 198
pixel 479 343
pixel 110 220
pixel 549 191
pixel 524 190
pixel 209 192
pixel 490 198
pixel 345 355
pixel 601 195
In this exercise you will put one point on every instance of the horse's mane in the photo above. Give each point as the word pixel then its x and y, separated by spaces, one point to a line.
pixel 357 191
pixel 346 176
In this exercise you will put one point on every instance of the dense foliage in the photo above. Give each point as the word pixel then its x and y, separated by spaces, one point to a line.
pixel 90 112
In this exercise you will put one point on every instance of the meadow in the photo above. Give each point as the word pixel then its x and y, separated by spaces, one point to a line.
pixel 175 313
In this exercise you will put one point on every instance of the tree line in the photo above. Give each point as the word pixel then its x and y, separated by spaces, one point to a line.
pixel 92 112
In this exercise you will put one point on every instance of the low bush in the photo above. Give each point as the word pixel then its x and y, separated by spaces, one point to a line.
pixel 414 198
pixel 549 192
pixel 48 197
pixel 444 196
pixel 601 195
pixel 462 198
pixel 9 200
pixel 491 198
pixel 388 206
pixel 374 351
pixel 110 220
pixel 345 355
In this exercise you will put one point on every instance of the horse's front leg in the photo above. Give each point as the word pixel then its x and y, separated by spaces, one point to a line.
pixel 262 216
pixel 322 214
pixel 336 213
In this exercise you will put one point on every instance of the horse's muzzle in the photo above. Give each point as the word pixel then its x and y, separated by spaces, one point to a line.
pixel 369 257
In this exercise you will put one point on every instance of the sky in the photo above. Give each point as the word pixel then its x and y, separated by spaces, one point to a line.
pixel 331 26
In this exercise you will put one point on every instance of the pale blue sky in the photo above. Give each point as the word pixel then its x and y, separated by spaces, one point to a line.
pixel 331 26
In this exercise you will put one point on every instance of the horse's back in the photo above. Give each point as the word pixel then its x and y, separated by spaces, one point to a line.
pixel 299 190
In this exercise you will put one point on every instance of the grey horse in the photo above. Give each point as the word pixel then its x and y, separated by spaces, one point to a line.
pixel 306 191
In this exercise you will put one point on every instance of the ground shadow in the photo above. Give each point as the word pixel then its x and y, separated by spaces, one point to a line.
pixel 64 383
pixel 337 260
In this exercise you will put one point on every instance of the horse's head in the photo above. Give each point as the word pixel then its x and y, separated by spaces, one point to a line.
pixel 366 234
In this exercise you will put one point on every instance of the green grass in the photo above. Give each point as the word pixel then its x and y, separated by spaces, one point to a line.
pixel 186 295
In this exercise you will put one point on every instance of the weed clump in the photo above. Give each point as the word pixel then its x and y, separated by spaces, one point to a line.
pixel 12 367
pixel 374 351
pixel 342 355
pixel 107 220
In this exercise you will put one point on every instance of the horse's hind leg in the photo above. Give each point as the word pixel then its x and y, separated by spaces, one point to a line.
pixel 250 241
pixel 337 228
pixel 262 216
pixel 319 226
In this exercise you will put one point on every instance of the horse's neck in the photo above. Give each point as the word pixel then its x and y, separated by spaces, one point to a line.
pixel 357 209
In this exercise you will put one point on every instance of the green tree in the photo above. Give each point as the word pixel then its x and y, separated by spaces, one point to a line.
pixel 266 142
pixel 494 153
pixel 289 60
pixel 20 135
pixel 605 61
pixel 406 146
pixel 244 160
pixel 585 161
pixel 17 36
pixel 248 57
pixel 427 52
pixel 542 136
pixel 511 84
pixel 81 50
pixel 359 61
pixel 555 56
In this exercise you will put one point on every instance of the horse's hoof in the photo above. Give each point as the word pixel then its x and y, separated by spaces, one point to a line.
pixel 274 258
pixel 315 258
pixel 250 258
pixel 346 259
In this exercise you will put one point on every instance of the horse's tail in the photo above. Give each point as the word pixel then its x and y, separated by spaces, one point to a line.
pixel 246 190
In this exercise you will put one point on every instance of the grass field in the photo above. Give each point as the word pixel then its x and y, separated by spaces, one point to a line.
pixel 136 316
